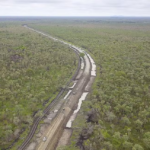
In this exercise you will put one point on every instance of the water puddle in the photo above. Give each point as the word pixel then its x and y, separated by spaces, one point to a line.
pixel 72 118
pixel 67 94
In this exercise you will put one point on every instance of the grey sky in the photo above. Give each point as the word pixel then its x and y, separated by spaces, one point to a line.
pixel 74 7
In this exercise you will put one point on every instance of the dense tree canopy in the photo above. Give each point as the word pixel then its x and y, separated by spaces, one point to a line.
pixel 121 93
pixel 33 69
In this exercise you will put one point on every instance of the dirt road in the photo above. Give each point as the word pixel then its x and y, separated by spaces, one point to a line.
pixel 53 133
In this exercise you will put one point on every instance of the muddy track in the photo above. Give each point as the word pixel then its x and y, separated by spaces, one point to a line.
pixel 55 129
pixel 49 107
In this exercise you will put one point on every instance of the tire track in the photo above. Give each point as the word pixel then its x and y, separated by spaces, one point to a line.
pixel 52 104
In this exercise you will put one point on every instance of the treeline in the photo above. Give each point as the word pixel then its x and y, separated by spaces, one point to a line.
pixel 33 69
pixel 116 115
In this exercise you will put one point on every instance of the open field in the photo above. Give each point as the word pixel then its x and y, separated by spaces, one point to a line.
pixel 33 70
pixel 116 115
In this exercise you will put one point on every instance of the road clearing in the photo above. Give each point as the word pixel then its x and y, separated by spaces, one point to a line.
pixel 71 103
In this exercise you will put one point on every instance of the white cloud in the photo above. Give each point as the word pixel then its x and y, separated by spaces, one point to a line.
pixel 74 7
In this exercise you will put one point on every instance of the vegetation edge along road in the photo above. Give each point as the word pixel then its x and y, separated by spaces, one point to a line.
pixel 88 73
pixel 48 108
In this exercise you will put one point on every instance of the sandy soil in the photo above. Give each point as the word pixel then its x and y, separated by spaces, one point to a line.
pixel 64 138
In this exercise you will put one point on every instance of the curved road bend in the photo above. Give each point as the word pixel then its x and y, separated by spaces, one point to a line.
pixel 72 99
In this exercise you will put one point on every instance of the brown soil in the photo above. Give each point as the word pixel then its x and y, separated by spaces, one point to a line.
pixel 64 140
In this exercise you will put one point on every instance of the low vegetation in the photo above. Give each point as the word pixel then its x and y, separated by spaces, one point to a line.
pixel 117 112
pixel 33 70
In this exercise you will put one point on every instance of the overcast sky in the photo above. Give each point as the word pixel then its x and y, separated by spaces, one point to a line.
pixel 74 7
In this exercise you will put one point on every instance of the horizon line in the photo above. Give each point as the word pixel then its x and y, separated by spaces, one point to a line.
pixel 74 16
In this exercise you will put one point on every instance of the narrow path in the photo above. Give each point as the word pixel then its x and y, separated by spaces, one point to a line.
pixel 55 130
pixel 47 109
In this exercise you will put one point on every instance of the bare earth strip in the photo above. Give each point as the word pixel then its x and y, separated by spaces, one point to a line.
pixel 64 140
pixel 57 120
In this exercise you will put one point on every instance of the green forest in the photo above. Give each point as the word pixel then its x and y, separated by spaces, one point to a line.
pixel 33 70
pixel 116 115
